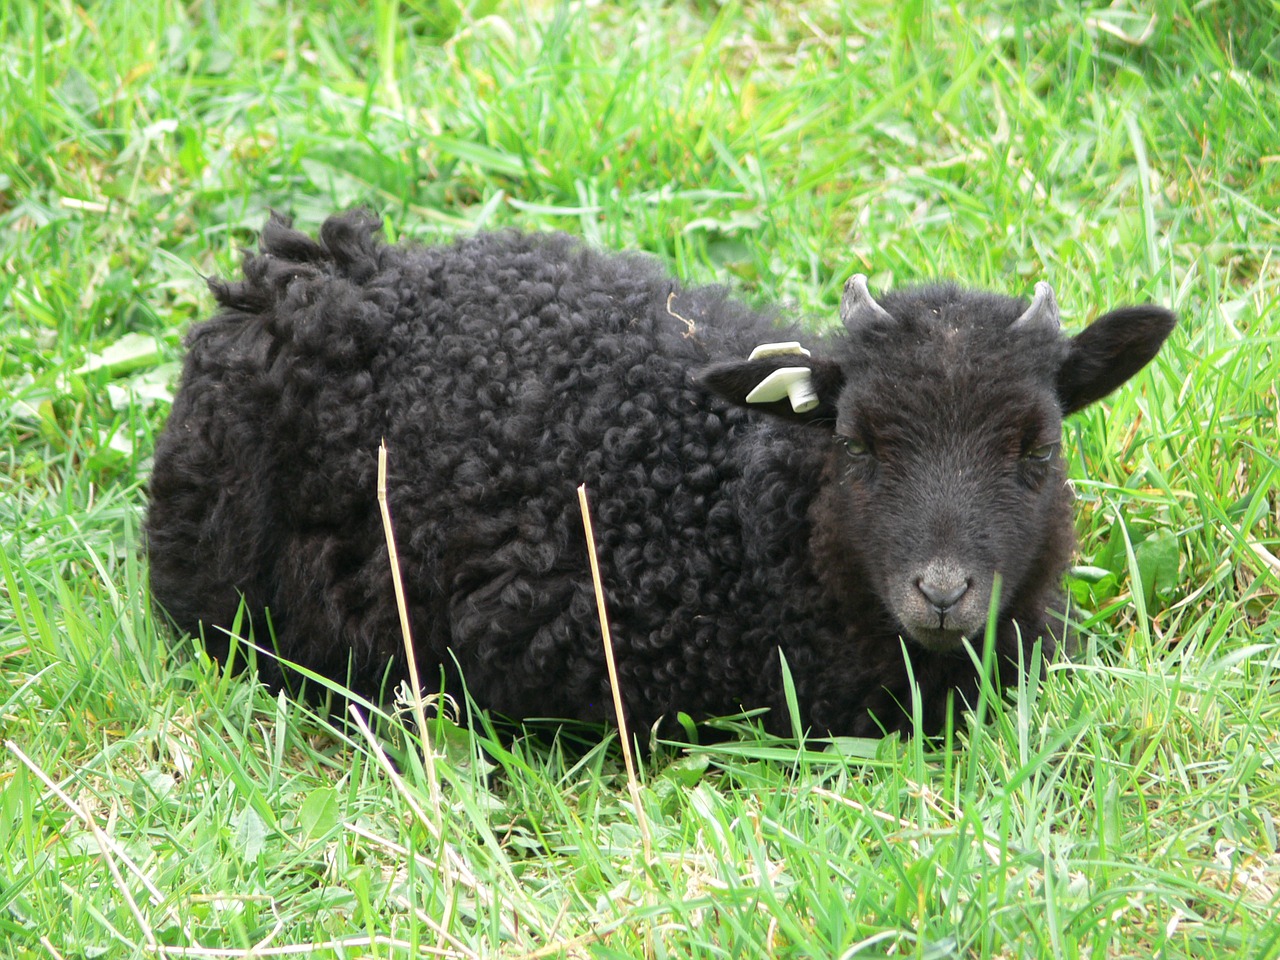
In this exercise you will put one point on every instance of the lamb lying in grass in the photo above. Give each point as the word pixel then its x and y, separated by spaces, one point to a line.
pixel 826 507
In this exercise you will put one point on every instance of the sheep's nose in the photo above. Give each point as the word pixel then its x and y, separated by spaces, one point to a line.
pixel 943 592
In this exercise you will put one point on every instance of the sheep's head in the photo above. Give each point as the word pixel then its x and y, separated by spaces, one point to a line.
pixel 941 411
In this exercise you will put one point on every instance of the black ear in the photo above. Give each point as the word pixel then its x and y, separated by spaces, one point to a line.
pixel 734 379
pixel 1110 351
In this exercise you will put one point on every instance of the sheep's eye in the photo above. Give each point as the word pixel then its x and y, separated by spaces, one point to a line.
pixel 855 448
pixel 1040 453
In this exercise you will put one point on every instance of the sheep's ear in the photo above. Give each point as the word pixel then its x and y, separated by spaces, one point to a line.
pixel 1110 351
pixel 735 380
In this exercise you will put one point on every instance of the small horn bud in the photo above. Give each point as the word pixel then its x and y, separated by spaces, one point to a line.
pixel 857 306
pixel 1042 313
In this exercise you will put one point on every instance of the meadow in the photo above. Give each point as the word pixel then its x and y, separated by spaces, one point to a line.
pixel 154 806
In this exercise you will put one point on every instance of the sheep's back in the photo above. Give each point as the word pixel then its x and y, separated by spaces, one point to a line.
pixel 502 371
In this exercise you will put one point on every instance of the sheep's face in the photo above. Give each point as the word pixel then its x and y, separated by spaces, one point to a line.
pixel 942 480
pixel 942 414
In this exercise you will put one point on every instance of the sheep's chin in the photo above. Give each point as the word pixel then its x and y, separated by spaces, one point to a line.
pixel 938 641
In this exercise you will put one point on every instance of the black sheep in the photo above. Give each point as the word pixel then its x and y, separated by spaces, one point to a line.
pixel 505 369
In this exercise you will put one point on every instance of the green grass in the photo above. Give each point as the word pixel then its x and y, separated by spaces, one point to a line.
pixel 1127 807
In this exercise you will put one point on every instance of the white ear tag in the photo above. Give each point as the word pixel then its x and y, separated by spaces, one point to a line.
pixel 778 350
pixel 795 383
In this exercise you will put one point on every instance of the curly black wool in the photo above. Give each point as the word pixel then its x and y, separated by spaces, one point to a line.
pixel 505 369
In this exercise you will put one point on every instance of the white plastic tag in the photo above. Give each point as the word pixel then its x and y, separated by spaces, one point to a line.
pixel 794 383
pixel 778 350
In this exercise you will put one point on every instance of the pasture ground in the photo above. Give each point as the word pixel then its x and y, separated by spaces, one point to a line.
pixel 1127 807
